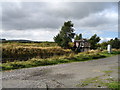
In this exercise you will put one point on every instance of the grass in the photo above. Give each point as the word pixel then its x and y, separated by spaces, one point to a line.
pixel 84 56
pixel 42 44
pixel 88 81
pixel 114 85
pixel 25 53
pixel 101 81
pixel 108 72
pixel 98 82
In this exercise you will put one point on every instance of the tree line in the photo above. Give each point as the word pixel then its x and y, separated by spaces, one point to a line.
pixel 66 35
pixel 115 43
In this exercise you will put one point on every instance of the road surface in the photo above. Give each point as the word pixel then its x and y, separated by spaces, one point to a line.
pixel 57 76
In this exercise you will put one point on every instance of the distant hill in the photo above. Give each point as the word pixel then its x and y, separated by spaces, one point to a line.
pixel 22 41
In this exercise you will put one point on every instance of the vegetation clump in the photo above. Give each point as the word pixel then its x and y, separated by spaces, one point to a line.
pixel 25 53
pixel 57 59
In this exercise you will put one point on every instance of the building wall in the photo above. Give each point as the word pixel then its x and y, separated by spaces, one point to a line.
pixel 82 46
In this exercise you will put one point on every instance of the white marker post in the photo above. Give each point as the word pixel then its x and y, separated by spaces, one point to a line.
pixel 109 48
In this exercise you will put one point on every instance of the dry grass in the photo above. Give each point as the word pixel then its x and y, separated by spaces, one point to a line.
pixel 14 51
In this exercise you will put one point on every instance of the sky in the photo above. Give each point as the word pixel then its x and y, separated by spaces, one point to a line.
pixel 41 21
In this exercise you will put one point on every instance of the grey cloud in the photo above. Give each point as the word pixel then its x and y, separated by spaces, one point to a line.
pixel 96 20
pixel 77 10
pixel 29 15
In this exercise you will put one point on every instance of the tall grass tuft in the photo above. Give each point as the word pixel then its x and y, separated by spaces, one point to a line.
pixel 25 53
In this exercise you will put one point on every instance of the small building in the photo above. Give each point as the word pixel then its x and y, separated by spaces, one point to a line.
pixel 81 45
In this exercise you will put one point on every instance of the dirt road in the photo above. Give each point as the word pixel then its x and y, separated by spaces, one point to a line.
pixel 58 76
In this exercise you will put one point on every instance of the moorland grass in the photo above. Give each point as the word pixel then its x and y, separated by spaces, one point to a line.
pixel 84 56
pixel 21 53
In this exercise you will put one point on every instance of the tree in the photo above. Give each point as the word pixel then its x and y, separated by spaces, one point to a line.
pixel 103 45
pixel 78 37
pixel 65 35
pixel 93 41
pixel 115 43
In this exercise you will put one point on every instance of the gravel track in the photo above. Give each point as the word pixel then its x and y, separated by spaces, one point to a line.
pixel 57 76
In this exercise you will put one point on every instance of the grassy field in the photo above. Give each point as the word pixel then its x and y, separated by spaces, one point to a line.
pixel 58 59
pixel 24 51
pixel 24 55
pixel 42 44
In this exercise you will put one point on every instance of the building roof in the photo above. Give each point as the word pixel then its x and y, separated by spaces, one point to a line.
pixel 81 40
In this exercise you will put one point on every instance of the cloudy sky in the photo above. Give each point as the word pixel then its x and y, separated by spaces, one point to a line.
pixel 42 20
